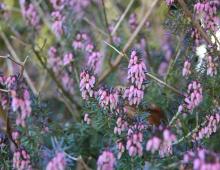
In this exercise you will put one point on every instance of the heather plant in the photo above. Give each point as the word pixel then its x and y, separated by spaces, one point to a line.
pixel 100 84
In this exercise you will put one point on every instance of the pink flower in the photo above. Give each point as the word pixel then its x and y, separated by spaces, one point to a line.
pixel 136 70
pixel 133 21
pixel 21 160
pixel 134 140
pixel 57 25
pixel 87 83
pixel 169 2
pixel 67 59
pixel 108 98
pixel 54 61
pixel 163 143
pixel 106 161
pixel 79 41
pixel 23 104
pixel 79 5
pixel 211 66
pixel 186 69
pixel 30 14
pixel 210 127
pixel 94 60
pixel 57 163
pixel 121 125
pixel 202 159
pixel 133 95
pixel 87 118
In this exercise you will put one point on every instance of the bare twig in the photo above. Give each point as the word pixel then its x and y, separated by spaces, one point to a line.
pixel 148 74
pixel 128 44
pixel 194 21
pixel 59 85
pixel 13 53
pixel 95 27
pixel 189 134
pixel 122 17
pixel 106 21
pixel 165 84
pixel 174 118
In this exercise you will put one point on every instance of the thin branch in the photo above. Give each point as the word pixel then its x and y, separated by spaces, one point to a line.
pixel 13 53
pixel 174 118
pixel 128 44
pixel 59 85
pixel 95 27
pixel 106 21
pixel 189 134
pixel 165 84
pixel 148 74
pixel 122 17
pixel 194 21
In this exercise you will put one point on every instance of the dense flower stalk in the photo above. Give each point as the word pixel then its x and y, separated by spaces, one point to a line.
pixel 202 159
pixel 121 125
pixel 210 127
pixel 108 98
pixel 23 104
pixel 87 84
pixel 193 97
pixel 186 69
pixel 57 25
pixel 21 160
pixel 106 161
pixel 134 140
pixel 30 14
pixel 163 143
pixel 136 76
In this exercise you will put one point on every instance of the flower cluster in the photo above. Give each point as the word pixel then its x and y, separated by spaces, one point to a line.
pixel 209 128
pixel 106 161
pixel 16 136
pixel 108 98
pixel 208 10
pixel 54 61
pixel 134 95
pixel 186 69
pixel 136 70
pixel 79 41
pixel 67 58
pixel 136 76
pixel 133 21
pixel 193 97
pixel 169 2
pixel 58 162
pixel 21 103
pixel 8 83
pixel 134 140
pixel 163 143
pixel 121 125
pixel 202 159
pixel 21 160
pixel 87 84
pixel 94 60
pixel 211 66
pixel 79 5
pixel 87 118
pixel 57 25
pixel 30 14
